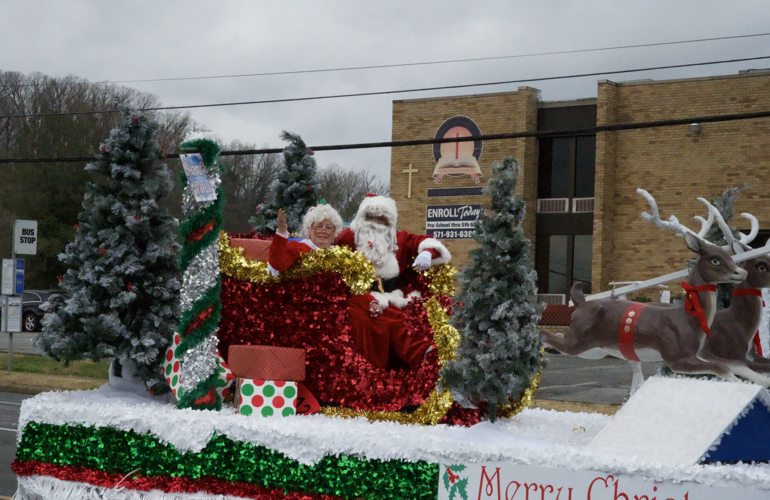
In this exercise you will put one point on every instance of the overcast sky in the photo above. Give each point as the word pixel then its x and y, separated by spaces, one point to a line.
pixel 129 40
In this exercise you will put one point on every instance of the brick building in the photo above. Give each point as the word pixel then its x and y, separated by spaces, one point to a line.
pixel 583 210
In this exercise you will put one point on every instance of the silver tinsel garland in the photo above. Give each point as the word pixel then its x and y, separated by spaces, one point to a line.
pixel 198 363
pixel 200 275
pixel 201 361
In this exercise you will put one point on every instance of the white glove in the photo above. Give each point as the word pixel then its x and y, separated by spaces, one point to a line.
pixel 422 262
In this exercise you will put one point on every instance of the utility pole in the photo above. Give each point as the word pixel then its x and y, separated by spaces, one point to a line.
pixel 24 242
pixel 5 314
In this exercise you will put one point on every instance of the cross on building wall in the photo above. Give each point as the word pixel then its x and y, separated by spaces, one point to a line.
pixel 410 171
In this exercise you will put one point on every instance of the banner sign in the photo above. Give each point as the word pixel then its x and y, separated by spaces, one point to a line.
pixel 197 178
pixel 25 237
pixel 501 481
pixel 9 277
pixel 452 222
pixel 14 315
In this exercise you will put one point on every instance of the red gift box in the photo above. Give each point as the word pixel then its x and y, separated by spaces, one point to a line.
pixel 252 249
pixel 264 362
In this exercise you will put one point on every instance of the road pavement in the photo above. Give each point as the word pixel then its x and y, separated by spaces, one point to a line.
pixel 10 404
pixel 601 381
pixel 21 343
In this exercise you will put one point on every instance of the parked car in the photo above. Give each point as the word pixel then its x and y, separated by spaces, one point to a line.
pixel 31 313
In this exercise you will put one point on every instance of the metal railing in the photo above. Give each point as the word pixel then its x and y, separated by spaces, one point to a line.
pixel 553 205
pixel 582 205
pixel 552 299
pixel 641 285
pixel 562 205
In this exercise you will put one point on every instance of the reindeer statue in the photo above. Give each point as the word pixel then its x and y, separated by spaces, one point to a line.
pixel 676 335
pixel 734 332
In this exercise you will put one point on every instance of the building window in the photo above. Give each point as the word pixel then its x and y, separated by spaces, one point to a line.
pixel 561 260
pixel 582 255
pixel 585 166
pixel 558 254
pixel 567 167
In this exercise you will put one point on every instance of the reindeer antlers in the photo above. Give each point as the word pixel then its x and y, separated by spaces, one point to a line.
pixel 674 224
pixel 744 239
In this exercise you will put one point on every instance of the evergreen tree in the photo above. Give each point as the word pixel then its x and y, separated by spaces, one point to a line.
pixel 121 290
pixel 497 310
pixel 293 190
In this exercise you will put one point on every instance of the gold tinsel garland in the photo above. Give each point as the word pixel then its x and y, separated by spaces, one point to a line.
pixel 441 279
pixel 358 273
pixel 354 269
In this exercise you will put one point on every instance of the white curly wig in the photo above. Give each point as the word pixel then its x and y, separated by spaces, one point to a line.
pixel 317 214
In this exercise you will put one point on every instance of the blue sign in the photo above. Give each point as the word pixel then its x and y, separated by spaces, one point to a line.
pixel 19 286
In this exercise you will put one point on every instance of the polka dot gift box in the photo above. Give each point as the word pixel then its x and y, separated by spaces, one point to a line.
pixel 266 398
pixel 171 369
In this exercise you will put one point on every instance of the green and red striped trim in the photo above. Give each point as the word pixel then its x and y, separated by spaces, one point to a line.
pixel 104 453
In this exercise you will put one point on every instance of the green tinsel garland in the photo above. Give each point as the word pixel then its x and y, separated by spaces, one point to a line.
pixel 199 232
pixel 212 213
pixel 202 331
pixel 112 450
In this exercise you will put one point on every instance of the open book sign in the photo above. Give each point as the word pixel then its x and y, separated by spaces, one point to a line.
pixel 198 179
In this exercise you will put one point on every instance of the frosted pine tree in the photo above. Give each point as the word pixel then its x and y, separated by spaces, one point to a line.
pixel 293 190
pixel 724 203
pixel 496 310
pixel 121 292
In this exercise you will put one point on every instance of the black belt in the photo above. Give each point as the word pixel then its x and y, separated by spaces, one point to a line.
pixel 386 285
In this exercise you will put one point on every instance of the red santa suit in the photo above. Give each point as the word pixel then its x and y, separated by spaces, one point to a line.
pixel 374 337
pixel 391 252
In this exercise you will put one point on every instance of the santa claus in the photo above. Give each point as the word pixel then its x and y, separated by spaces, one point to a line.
pixel 373 232
pixel 376 318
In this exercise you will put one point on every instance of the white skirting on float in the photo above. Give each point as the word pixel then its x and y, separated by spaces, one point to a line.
pixel 49 488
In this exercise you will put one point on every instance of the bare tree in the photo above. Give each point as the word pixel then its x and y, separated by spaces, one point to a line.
pixel 246 184
pixel 51 193
pixel 344 189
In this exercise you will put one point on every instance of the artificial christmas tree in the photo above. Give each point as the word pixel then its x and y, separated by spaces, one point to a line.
pixel 497 311
pixel 293 190
pixel 121 292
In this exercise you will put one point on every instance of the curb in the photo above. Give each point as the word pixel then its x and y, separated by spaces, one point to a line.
pixel 35 383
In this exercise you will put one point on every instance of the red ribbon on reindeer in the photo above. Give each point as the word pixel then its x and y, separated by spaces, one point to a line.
pixel 692 304
pixel 758 293
pixel 626 332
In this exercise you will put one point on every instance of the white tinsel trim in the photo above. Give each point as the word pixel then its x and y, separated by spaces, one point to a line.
pixel 534 437
pixel 49 488
pixel 395 298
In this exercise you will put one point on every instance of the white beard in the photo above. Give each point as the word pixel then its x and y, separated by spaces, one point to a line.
pixel 377 242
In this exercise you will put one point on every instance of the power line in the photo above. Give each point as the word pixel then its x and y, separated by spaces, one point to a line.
pixel 489 137
pixel 403 91
pixel 430 63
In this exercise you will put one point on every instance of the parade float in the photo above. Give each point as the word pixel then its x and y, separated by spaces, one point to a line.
pixel 262 394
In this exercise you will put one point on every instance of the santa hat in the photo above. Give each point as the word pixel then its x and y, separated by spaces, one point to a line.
pixel 377 205
pixel 317 214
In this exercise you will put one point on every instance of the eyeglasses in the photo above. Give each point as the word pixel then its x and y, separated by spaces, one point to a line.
pixel 320 228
